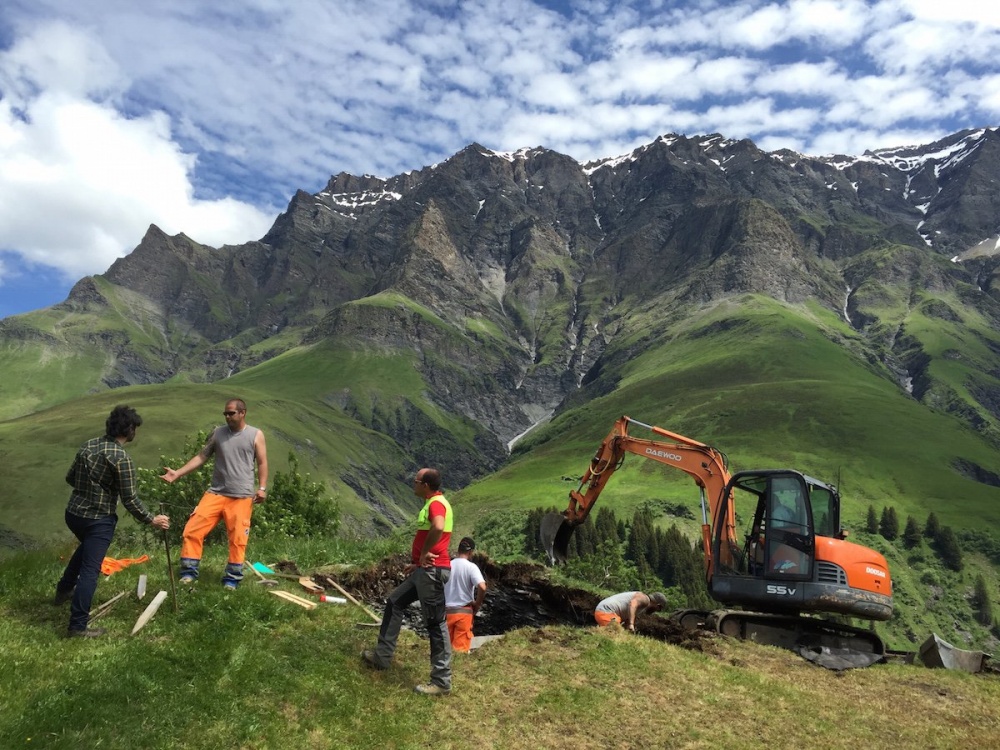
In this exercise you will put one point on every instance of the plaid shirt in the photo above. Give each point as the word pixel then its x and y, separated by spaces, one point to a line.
pixel 103 472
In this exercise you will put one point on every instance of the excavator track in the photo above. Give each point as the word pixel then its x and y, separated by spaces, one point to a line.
pixel 826 643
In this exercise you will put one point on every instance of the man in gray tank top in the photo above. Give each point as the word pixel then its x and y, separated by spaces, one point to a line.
pixel 236 447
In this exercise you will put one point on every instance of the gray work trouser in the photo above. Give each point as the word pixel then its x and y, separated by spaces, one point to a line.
pixel 427 585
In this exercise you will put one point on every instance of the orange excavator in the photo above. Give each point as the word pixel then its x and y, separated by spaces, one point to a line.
pixel 790 564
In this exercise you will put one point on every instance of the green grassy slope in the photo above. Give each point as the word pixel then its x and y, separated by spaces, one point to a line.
pixel 248 670
pixel 308 400
pixel 763 384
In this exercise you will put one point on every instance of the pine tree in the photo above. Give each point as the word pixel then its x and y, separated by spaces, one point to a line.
pixel 607 525
pixel 585 538
pixel 888 527
pixel 871 523
pixel 640 536
pixel 912 536
pixel 931 527
pixel 981 602
pixel 948 549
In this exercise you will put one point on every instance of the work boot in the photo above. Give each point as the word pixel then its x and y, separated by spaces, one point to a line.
pixel 88 633
pixel 62 597
pixel 368 657
pixel 431 689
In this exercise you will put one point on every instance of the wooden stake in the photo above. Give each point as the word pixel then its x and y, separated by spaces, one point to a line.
pixel 170 568
pixel 141 589
pixel 150 611
pixel 304 603
pixel 103 609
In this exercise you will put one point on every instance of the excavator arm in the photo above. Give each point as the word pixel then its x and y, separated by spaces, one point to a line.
pixel 703 463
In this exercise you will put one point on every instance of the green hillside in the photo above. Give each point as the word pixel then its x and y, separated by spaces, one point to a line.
pixel 769 384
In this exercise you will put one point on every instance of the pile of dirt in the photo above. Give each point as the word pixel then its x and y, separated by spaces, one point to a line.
pixel 518 595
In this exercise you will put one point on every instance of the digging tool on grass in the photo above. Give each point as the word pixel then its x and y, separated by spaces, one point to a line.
pixel 170 567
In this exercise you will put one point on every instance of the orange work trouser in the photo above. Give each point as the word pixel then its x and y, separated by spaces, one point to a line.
pixel 606 618
pixel 235 510
pixel 460 628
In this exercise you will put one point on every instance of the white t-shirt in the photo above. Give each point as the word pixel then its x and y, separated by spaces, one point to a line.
pixel 460 590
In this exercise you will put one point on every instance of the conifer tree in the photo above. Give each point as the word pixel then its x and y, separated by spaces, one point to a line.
pixel 888 526
pixel 585 538
pixel 912 535
pixel 931 526
pixel 871 522
pixel 948 549
pixel 607 525
pixel 981 602
pixel 639 536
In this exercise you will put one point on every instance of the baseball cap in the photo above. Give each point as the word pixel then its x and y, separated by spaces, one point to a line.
pixel 466 545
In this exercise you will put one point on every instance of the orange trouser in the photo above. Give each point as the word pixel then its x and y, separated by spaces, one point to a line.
pixel 460 628
pixel 606 618
pixel 235 510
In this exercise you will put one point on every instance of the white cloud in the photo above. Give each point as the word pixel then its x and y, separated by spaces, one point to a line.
pixel 80 182
pixel 176 103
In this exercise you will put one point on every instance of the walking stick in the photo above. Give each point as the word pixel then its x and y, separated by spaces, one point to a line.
pixel 170 567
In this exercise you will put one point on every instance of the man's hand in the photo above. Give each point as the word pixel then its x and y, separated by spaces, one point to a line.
pixel 260 497
pixel 169 475
pixel 427 560
pixel 161 522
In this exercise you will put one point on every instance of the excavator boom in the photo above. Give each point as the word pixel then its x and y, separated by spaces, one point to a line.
pixel 706 465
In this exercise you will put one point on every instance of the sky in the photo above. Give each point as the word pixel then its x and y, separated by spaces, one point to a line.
pixel 206 117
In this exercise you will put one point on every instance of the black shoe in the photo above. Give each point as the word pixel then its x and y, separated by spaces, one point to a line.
pixel 368 657
pixel 88 633
pixel 62 597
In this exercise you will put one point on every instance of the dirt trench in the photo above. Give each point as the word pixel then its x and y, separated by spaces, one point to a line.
pixel 518 595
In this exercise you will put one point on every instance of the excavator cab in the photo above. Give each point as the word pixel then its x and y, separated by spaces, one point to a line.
pixel 780 541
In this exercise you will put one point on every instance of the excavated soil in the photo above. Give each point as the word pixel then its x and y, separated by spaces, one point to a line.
pixel 519 595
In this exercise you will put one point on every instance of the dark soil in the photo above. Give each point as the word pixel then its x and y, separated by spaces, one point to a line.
pixel 518 595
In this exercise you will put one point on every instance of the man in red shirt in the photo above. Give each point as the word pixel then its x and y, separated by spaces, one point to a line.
pixel 426 575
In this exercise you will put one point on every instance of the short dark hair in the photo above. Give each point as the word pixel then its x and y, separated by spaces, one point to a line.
pixel 432 478
pixel 121 422
pixel 239 403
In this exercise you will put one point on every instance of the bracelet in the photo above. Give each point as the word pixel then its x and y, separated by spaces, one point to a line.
pixel 263 489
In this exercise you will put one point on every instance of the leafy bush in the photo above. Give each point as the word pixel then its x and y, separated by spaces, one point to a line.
pixel 296 506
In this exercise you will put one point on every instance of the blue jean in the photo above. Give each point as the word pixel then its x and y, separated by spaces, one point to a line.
pixel 83 568
pixel 427 585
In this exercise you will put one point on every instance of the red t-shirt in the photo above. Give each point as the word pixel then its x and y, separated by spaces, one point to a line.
pixel 440 549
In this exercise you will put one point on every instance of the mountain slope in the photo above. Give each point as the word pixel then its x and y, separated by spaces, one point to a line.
pixel 451 309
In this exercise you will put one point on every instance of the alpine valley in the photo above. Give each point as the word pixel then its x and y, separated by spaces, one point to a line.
pixel 493 314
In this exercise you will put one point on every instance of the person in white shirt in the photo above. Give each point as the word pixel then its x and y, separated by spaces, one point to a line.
pixel 464 594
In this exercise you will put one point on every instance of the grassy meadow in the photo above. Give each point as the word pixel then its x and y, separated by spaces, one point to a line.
pixel 248 670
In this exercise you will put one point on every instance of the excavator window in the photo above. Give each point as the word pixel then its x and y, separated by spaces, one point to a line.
pixel 824 507
pixel 789 541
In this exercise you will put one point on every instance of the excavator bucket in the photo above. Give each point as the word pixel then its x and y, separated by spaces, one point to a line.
pixel 554 533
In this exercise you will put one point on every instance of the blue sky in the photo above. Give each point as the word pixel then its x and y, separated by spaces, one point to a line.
pixel 204 118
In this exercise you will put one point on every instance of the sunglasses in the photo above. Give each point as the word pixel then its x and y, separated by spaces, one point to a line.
pixel 230 413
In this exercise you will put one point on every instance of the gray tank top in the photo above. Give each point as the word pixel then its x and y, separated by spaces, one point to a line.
pixel 234 461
